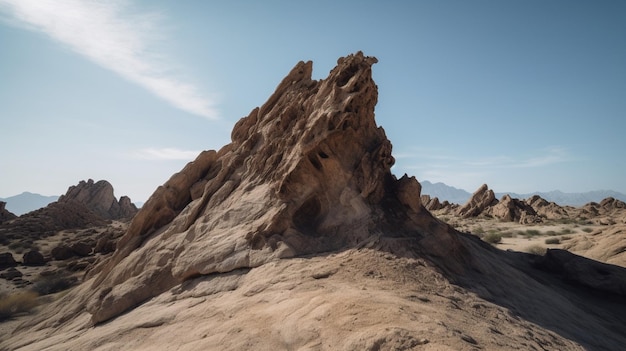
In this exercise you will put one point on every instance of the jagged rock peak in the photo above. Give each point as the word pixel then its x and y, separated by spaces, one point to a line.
pixel 482 198
pixel 307 172
pixel 99 198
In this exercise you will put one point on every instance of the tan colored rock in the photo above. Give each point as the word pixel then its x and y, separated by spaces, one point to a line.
pixel 481 199
pixel 545 209
pixel 513 210
pixel 99 198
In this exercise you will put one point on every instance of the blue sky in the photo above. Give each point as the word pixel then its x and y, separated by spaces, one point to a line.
pixel 521 95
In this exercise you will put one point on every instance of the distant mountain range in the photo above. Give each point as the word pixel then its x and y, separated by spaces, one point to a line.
pixel 460 196
pixel 26 202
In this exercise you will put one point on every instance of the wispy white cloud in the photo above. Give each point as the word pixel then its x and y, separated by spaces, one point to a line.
pixel 165 154
pixel 109 35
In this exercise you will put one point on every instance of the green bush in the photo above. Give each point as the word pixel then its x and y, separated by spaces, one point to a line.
pixel 587 230
pixel 532 232
pixel 507 234
pixel 493 238
pixel 53 284
pixel 552 241
pixel 17 303
pixel 567 231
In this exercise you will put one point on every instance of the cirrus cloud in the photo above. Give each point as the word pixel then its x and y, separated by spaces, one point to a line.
pixel 106 33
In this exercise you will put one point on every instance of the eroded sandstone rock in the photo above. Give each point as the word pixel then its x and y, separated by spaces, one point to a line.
pixel 308 171
pixel 99 198
pixel 481 199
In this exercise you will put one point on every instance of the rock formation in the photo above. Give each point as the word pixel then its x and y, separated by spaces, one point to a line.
pixel 433 204
pixel 5 215
pixel 310 171
pixel 481 199
pixel 99 198
pixel 513 210
pixel 545 209
pixel 306 174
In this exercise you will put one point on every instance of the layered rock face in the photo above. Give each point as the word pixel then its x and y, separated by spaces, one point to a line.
pixel 99 198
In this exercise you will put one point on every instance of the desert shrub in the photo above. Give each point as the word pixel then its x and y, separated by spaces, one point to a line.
pixel 550 232
pixel 532 232
pixel 567 231
pixel 493 238
pixel 52 284
pixel 587 230
pixel 536 250
pixel 507 234
pixel 479 230
pixel 17 303
pixel 551 241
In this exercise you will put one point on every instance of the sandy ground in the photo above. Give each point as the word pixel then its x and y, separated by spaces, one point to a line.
pixel 353 300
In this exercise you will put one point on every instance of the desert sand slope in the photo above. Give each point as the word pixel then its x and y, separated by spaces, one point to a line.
pixel 297 236
pixel 352 300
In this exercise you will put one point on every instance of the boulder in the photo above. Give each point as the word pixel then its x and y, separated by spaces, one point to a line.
pixel 82 248
pixel 33 258
pixel 7 260
pixel 62 252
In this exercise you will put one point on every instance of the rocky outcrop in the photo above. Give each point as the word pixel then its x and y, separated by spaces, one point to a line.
pixel 5 215
pixel 99 198
pixel 307 172
pixel 433 204
pixel 513 210
pixel 33 258
pixel 480 200
pixel 546 209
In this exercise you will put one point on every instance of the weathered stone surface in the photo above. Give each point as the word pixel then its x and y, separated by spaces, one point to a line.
pixel 480 200
pixel 33 258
